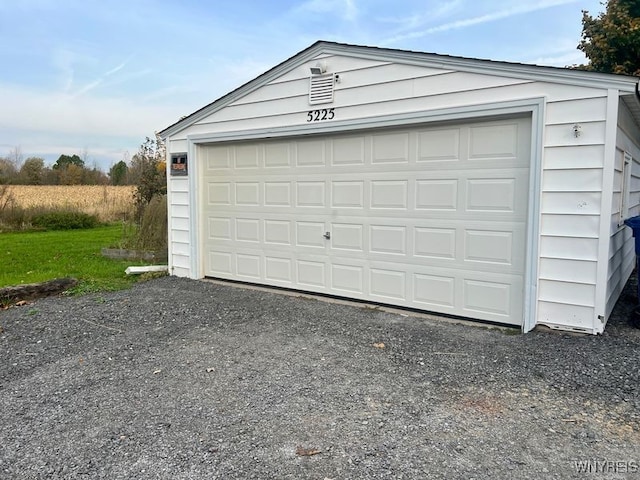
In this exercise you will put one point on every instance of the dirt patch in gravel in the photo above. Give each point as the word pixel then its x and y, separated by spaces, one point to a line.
pixel 182 379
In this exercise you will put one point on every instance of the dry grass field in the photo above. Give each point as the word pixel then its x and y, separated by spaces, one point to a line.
pixel 107 202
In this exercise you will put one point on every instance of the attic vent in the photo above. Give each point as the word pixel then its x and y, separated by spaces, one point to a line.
pixel 321 88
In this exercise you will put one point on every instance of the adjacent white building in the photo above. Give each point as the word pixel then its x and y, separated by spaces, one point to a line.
pixel 488 190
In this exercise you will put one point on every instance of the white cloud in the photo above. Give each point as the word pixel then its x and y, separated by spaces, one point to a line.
pixel 63 61
pixel 558 53
pixel 418 20
pixel 29 109
pixel 561 59
pixel 344 9
pixel 101 79
pixel 477 20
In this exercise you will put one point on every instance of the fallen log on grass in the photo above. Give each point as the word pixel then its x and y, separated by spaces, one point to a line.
pixel 30 291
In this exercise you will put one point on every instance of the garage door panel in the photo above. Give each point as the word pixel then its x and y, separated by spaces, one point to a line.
pixel 277 155
pixel 496 194
pixel 218 157
pixel 248 266
pixel 387 239
pixel 439 194
pixel 247 156
pixel 278 269
pixel 221 263
pixel 493 141
pixel 430 218
pixel 277 231
pixel 487 297
pixel 390 148
pixel 248 230
pixel 311 153
pixel 312 274
pixel 347 236
pixel 348 151
pixel 310 234
pixel 488 246
pixel 438 145
pixel 247 193
pixel 391 194
pixel 220 228
pixel 347 194
pixel 311 194
pixel 434 291
pixel 435 242
pixel 219 193
pixel 387 283
pixel 277 194
pixel 347 278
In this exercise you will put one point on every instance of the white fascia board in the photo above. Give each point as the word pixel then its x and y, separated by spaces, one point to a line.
pixel 541 73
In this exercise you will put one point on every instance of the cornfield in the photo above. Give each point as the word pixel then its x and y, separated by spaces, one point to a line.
pixel 109 203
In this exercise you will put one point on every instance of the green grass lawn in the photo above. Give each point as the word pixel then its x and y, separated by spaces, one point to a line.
pixel 31 257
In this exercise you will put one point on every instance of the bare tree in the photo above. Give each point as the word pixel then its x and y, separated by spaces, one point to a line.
pixel 85 155
pixel 15 156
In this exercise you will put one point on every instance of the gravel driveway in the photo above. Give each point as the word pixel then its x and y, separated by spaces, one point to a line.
pixel 182 379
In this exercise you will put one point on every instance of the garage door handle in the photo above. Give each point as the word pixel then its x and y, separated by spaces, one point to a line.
pixel 327 235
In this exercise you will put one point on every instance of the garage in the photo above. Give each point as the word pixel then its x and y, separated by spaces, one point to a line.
pixel 431 218
pixel 477 189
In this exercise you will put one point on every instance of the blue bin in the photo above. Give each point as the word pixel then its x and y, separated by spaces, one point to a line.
pixel 634 224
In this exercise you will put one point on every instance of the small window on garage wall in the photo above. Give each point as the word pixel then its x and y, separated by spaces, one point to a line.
pixel 627 161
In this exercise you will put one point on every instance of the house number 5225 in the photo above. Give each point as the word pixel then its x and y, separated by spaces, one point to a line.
pixel 320 115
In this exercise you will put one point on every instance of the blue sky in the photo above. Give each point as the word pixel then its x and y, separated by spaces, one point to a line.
pixel 96 77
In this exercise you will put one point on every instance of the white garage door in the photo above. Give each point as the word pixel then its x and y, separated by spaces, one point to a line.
pixel 432 218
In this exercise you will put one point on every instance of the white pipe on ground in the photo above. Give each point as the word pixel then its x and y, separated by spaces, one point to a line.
pixel 145 269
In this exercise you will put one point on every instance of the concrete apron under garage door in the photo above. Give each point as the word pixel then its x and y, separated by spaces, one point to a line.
pixel 428 217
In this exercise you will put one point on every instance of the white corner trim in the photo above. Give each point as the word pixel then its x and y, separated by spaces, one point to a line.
pixel 602 271
pixel 533 218
pixel 195 263
pixel 167 165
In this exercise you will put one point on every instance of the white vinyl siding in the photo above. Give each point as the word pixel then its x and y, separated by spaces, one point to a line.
pixel 571 193
pixel 179 232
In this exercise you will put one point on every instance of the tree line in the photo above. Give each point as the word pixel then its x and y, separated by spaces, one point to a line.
pixel 146 167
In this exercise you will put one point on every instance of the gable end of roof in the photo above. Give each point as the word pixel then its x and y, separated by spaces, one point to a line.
pixel 623 83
